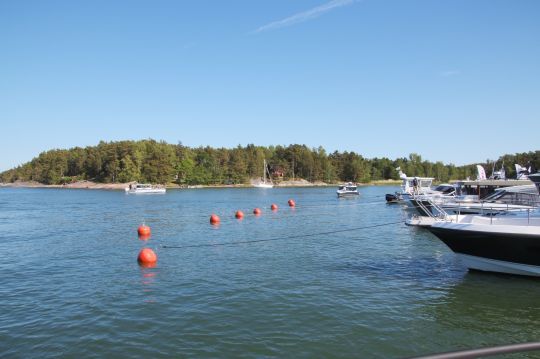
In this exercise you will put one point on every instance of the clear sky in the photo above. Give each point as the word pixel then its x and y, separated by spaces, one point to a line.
pixel 454 81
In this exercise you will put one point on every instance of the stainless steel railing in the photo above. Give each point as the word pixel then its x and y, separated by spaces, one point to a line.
pixel 485 352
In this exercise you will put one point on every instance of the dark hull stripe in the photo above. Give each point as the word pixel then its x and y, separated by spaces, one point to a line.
pixel 516 248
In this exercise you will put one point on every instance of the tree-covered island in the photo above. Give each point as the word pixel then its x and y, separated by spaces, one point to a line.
pixel 160 162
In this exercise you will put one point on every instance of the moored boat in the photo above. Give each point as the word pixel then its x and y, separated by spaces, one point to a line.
pixel 501 244
pixel 144 188
pixel 506 244
pixel 410 186
pixel 264 183
pixel 502 200
pixel 394 198
pixel 347 190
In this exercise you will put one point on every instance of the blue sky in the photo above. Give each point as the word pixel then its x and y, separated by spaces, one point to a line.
pixel 454 81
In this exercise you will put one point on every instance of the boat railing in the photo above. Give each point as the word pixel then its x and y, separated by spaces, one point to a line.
pixel 492 213
pixel 485 352
pixel 438 214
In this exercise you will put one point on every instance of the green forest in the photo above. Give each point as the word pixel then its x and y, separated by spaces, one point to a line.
pixel 160 162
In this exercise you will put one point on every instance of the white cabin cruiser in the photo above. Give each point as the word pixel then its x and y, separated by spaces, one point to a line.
pixel 502 200
pixel 411 186
pixel 505 244
pixel 347 190
pixel 480 196
pixel 144 188
pixel 496 244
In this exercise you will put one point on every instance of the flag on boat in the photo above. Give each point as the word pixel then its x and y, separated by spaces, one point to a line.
pixel 481 173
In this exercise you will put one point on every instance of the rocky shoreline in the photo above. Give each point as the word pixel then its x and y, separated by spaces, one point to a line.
pixel 121 186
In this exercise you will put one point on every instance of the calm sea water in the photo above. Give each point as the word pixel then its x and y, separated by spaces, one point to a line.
pixel 71 285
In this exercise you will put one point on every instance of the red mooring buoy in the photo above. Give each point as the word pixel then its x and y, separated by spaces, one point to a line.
pixel 214 219
pixel 147 257
pixel 291 203
pixel 274 207
pixel 257 212
pixel 239 214
pixel 144 231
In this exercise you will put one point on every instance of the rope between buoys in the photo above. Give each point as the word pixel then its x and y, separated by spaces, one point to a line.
pixel 281 238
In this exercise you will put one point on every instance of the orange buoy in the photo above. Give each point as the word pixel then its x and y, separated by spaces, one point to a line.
pixel 144 231
pixel 147 257
pixel 239 214
pixel 257 212
pixel 214 219
pixel 274 207
pixel 291 203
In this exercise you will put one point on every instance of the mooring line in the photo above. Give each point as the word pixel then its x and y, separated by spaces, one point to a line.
pixel 280 238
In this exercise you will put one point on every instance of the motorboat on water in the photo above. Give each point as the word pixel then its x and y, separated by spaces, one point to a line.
pixel 504 244
pixel 412 187
pixel 483 195
pixel 347 190
pixel 502 200
pixel 496 244
pixel 394 197
pixel 264 183
pixel 144 188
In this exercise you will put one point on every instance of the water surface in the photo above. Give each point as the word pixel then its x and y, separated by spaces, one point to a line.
pixel 71 285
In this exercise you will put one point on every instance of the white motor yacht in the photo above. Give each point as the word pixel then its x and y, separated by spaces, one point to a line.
pixel 411 186
pixel 496 244
pixel 502 200
pixel 347 190
pixel 506 244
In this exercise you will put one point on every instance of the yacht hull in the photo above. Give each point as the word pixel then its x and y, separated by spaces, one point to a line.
pixel 393 198
pixel 263 185
pixel 348 194
pixel 514 253
pixel 152 191
pixel 492 265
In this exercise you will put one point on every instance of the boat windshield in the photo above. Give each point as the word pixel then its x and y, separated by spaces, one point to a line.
pixel 445 188
pixel 423 182
pixel 144 186
pixel 518 198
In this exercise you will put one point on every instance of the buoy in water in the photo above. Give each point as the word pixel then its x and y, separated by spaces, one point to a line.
pixel 144 231
pixel 291 203
pixel 257 212
pixel 147 257
pixel 239 214
pixel 214 219
pixel 274 207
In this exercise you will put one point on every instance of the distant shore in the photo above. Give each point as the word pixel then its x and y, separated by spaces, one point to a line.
pixel 121 186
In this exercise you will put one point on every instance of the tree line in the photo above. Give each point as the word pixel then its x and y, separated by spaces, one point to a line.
pixel 160 162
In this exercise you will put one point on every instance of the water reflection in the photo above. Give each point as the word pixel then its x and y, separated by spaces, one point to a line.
pixel 149 281
pixel 144 237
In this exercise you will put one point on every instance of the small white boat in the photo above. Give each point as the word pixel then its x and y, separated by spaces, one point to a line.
pixel 347 190
pixel 144 188
pixel 264 183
